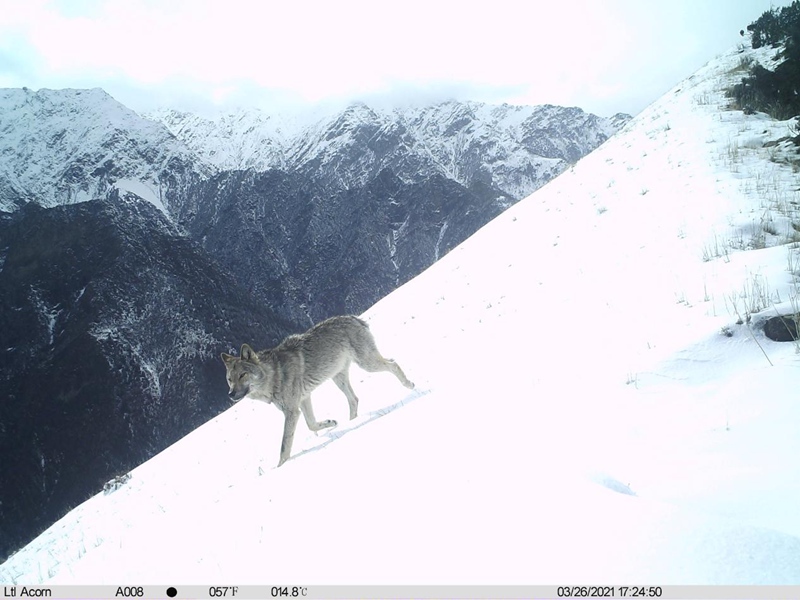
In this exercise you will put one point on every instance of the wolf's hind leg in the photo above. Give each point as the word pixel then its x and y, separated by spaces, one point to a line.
pixel 342 380
pixel 374 362
pixel 394 368
pixel 311 421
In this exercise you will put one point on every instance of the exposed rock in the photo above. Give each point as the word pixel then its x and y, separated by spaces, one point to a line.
pixel 782 329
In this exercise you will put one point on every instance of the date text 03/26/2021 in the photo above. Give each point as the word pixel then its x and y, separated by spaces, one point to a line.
pixel 609 591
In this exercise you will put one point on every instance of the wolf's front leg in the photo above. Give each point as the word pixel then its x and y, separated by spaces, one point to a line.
pixel 311 420
pixel 289 425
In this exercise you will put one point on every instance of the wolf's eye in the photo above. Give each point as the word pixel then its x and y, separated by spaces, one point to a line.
pixel 242 376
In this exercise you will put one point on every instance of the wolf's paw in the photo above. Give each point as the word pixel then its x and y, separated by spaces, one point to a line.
pixel 328 423
pixel 410 385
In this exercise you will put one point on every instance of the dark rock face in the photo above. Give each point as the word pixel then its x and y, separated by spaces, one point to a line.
pixel 111 325
pixel 309 254
pixel 781 329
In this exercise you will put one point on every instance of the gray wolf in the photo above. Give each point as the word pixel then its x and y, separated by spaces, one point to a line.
pixel 287 374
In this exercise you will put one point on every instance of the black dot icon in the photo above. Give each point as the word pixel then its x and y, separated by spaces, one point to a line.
pixel 172 592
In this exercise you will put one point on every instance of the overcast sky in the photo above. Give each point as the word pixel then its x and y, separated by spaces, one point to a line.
pixel 605 56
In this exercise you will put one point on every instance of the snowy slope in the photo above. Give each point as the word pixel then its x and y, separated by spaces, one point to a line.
pixel 580 416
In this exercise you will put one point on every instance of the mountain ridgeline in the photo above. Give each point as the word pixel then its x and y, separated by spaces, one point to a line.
pixel 134 250
pixel 515 149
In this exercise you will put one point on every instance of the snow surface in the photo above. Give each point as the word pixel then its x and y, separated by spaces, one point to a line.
pixel 143 190
pixel 579 416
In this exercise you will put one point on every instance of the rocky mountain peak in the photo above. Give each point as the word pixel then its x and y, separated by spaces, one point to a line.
pixel 68 146
pixel 459 140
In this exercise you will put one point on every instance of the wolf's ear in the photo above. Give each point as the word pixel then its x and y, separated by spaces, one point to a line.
pixel 227 358
pixel 248 354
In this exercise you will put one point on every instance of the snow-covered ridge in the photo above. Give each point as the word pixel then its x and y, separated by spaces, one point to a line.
pixel 70 145
pixel 518 148
pixel 66 146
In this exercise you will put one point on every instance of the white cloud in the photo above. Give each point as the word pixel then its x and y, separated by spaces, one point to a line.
pixel 617 53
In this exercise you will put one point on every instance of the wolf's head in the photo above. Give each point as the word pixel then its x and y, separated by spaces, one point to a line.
pixel 242 372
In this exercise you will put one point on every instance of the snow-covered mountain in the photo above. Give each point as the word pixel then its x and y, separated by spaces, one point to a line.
pixel 513 148
pixel 597 401
pixel 66 146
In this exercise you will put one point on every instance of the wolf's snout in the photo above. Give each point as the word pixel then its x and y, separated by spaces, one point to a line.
pixel 236 395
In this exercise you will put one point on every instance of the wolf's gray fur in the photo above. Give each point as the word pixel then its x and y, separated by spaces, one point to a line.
pixel 287 374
